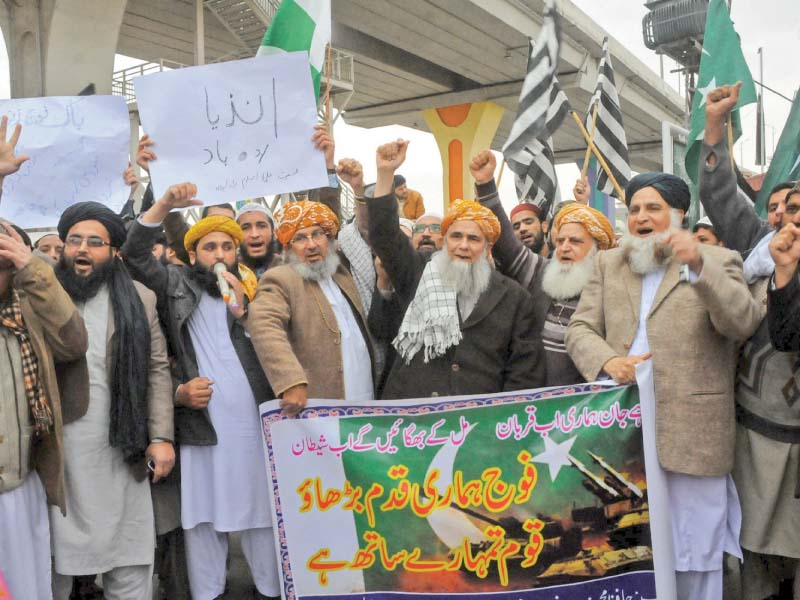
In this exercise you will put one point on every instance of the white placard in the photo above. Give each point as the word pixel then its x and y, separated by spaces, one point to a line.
pixel 237 129
pixel 79 150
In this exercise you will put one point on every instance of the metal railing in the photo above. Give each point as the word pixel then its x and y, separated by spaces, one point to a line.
pixel 269 7
pixel 122 81
pixel 341 66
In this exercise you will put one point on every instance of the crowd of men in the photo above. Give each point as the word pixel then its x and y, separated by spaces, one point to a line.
pixel 136 355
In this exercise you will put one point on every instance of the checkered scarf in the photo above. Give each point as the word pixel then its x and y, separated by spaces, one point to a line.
pixel 431 321
pixel 362 267
pixel 11 318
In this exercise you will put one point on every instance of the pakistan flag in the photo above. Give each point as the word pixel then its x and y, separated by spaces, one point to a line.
pixel 721 63
pixel 785 165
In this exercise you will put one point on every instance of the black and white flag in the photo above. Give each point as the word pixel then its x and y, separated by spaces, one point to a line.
pixel 542 107
pixel 609 133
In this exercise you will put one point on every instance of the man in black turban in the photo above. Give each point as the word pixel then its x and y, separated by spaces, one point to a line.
pixel 124 416
pixel 671 188
pixel 683 310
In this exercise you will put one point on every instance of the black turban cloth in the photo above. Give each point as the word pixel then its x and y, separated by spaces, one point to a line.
pixel 130 344
pixel 672 188
pixel 93 211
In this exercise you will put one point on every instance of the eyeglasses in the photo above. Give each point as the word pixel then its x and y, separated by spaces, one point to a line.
pixel 432 227
pixel 93 241
pixel 303 239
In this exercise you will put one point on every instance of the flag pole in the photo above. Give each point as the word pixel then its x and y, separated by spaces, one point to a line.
pixel 328 89
pixel 597 154
pixel 585 168
pixel 500 175
pixel 730 140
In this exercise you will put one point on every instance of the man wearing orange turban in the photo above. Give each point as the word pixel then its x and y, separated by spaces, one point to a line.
pixel 465 328
pixel 300 215
pixel 221 384
pixel 308 321
pixel 555 285
pixel 468 210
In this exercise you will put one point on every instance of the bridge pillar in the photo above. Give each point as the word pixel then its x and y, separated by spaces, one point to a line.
pixel 59 47
pixel 461 131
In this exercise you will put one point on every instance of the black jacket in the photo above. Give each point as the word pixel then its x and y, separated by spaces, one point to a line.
pixel 501 349
pixel 783 314
pixel 178 296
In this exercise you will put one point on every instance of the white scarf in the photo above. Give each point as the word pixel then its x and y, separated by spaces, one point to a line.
pixel 431 321
pixel 362 268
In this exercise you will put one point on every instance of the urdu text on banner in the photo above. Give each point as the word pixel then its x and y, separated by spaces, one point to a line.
pixel 78 148
pixel 529 495
pixel 238 129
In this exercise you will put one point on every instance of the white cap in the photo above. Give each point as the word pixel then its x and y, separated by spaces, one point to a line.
pixel 704 222
pixel 255 207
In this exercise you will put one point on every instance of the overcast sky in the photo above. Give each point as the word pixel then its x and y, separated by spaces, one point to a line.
pixel 772 24
pixel 776 30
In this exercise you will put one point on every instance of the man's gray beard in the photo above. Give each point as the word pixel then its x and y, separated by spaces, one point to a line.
pixel 645 255
pixel 562 281
pixel 319 270
pixel 469 280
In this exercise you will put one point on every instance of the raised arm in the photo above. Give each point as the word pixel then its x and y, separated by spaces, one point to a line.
pixel 138 248
pixel 516 261
pixel 730 210
pixel 9 161
pixel 388 243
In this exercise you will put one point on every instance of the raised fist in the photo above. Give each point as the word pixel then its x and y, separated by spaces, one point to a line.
pixel 482 166
pixel 352 173
pixel 389 157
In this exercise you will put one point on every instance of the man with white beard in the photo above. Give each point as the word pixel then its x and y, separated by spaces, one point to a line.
pixel 664 296
pixel 579 232
pixel 307 320
pixel 467 329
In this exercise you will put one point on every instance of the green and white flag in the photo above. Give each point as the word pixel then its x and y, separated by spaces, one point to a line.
pixel 785 165
pixel 301 25
pixel 721 63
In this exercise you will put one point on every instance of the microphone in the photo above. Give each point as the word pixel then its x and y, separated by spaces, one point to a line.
pixel 224 288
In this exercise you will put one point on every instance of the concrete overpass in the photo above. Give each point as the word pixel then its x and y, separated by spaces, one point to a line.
pixel 408 56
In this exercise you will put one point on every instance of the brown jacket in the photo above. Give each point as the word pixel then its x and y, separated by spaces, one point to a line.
pixel 413 208
pixel 73 378
pixel 295 333
pixel 693 331
pixel 57 334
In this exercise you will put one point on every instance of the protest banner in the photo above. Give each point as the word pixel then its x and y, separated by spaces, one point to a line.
pixel 78 148
pixel 237 130
pixel 528 495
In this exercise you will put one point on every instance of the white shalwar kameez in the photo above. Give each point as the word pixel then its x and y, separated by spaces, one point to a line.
pixel 25 540
pixel 706 515
pixel 109 527
pixel 356 363
pixel 224 486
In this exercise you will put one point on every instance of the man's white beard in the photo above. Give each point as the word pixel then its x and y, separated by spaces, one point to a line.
pixel 469 280
pixel 562 281
pixel 319 270
pixel 645 255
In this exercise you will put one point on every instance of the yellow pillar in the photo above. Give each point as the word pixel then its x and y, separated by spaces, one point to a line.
pixel 461 131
